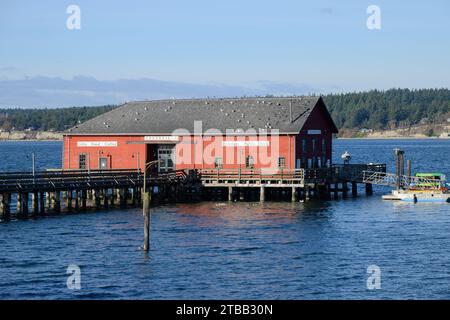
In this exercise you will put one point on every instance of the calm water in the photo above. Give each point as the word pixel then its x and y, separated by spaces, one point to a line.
pixel 317 250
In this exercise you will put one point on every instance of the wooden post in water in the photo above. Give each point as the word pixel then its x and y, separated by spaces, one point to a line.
pixel 105 199
pixel 123 199
pixel 408 171
pixel 230 193
pixel 262 194
pixel 146 212
pixel 68 200
pixel 77 200
pixel 5 212
pixel 97 199
pixel 57 199
pixel 113 197
pixel 19 204
pixel 354 189
pixel 48 201
pixel 336 189
pixel 83 195
pixel 306 194
pixel 35 202
pixel 344 189
pixel 42 203
pixel 369 190
pixel 294 194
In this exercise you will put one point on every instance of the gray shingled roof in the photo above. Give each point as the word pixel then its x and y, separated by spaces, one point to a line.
pixel 165 116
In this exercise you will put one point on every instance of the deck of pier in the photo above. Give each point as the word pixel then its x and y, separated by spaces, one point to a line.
pixel 50 191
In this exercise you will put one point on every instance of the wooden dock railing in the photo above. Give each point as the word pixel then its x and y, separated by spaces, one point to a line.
pixel 333 174
pixel 81 179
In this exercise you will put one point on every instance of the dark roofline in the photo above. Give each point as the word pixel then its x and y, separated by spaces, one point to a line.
pixel 122 121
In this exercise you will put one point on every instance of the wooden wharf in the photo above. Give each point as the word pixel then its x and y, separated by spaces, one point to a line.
pixel 29 194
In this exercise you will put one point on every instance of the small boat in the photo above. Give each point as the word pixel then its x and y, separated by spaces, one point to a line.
pixel 424 187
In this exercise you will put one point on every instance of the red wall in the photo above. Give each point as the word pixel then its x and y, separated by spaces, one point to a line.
pixel 197 152
pixel 189 151
pixel 318 120
pixel 125 155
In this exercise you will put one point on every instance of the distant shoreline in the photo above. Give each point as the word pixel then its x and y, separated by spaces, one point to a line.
pixel 31 136
pixel 58 136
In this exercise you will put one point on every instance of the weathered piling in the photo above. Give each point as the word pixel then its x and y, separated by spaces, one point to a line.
pixel 369 189
pixel 354 190
pixel 35 203
pixel 146 213
pixel 5 209
pixel 69 200
pixel 42 203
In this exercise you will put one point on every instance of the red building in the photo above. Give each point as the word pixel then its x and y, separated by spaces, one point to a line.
pixel 266 133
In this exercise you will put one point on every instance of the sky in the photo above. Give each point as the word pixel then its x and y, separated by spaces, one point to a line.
pixel 134 50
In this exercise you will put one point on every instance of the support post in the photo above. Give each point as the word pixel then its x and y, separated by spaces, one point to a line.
pixel 105 199
pixel 146 209
pixel 97 199
pixel 68 200
pixel 77 200
pixel 83 199
pixel 5 212
pixel 408 171
pixel 19 204
pixel 123 201
pixel 306 194
pixel 369 190
pixel 41 203
pixel 262 194
pixel 294 194
pixel 113 196
pixel 336 189
pixel 354 189
pixel 48 201
pixel 35 203
pixel 57 201
pixel 230 193
pixel 344 189
pixel 133 197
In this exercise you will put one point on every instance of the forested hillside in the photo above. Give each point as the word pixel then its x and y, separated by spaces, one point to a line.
pixel 48 119
pixel 389 109
pixel 370 110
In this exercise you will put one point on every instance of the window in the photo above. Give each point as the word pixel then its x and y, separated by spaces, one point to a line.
pixel 82 161
pixel 218 163
pixel 304 145
pixel 313 145
pixel 324 147
pixel 281 162
pixel 249 162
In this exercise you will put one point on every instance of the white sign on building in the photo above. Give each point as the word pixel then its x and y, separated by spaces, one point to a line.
pixel 162 138
pixel 97 143
pixel 245 143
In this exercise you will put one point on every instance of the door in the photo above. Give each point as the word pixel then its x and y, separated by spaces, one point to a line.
pixel 103 163
pixel 166 157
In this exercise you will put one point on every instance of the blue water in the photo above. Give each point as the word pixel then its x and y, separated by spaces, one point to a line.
pixel 316 250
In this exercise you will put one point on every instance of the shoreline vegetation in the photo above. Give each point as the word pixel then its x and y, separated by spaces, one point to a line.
pixel 375 114
pixel 374 135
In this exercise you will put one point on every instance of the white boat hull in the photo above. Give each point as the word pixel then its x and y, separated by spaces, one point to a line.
pixel 419 196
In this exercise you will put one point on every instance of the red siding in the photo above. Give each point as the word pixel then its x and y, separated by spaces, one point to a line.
pixel 189 151
pixel 317 120
pixel 197 152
